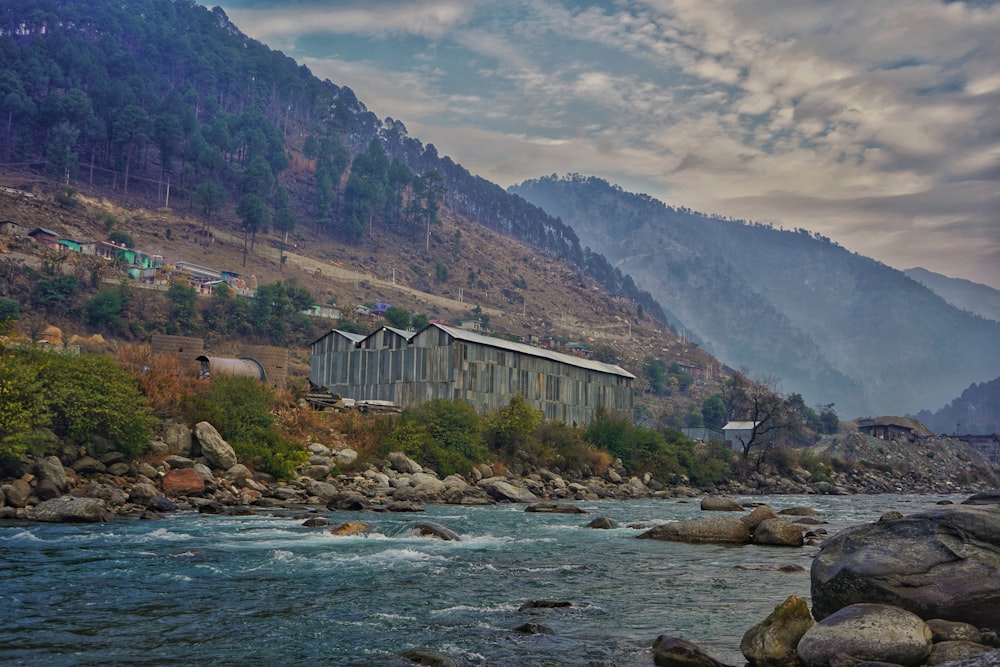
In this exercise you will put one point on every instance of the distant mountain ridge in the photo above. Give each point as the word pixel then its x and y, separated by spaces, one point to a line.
pixel 830 324
pixel 964 294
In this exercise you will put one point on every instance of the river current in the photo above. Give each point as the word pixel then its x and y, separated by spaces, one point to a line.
pixel 264 590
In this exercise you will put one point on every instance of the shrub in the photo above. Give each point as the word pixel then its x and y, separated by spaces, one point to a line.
pixel 441 434
pixel 23 394
pixel 91 396
pixel 240 408
pixel 160 377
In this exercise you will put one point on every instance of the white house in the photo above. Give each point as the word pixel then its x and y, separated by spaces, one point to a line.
pixel 737 434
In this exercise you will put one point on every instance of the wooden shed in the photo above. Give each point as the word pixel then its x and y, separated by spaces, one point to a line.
pixel 442 362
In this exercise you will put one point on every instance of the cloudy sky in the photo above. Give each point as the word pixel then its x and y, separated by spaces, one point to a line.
pixel 874 123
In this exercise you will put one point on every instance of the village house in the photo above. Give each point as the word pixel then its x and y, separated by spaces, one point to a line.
pixel 45 238
pixel 440 362
pixel 893 428
pixel 737 434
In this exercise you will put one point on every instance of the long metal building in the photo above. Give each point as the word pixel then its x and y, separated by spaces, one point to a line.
pixel 409 368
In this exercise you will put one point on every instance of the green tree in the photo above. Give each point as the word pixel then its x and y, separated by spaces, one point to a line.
pixel 397 317
pixel 104 310
pixel 60 155
pixel 210 195
pixel 713 412
pixel 90 396
pixel 183 318
pixel 23 407
pixel 10 310
pixel 284 222
pixel 420 321
pixel 509 430
pixel 121 238
pixel 55 294
pixel 442 434
pixel 256 218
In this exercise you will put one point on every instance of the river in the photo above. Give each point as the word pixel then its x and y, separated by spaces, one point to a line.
pixel 262 589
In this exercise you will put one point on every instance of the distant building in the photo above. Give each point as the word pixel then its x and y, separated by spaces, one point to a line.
pixel 737 434
pixel 328 312
pixel 10 228
pixel 893 428
pixel 409 368
pixel 45 237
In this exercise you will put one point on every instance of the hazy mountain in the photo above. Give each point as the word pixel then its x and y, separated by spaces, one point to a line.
pixel 965 294
pixel 832 325
pixel 976 411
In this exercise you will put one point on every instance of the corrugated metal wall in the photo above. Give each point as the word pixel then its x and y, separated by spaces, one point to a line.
pixel 388 367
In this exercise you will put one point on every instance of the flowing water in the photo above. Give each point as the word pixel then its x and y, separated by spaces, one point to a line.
pixel 262 589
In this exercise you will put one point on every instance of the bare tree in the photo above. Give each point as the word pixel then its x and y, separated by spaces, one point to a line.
pixel 769 418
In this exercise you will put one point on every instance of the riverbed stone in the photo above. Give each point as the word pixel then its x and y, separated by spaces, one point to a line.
pixel 602 523
pixel 503 490
pixel 400 462
pixel 556 508
pixel 757 515
pixel 67 509
pixel 219 453
pixel 17 493
pixel 720 504
pixel 778 532
pixel 945 631
pixel 675 652
pixel 953 651
pixel 773 641
pixel 867 632
pixel 88 465
pixel 715 530
pixel 46 489
pixel 350 528
pixel 944 563
pixel 177 436
pixel 429 658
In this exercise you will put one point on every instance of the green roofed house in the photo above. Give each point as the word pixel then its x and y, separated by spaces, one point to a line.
pixel 440 362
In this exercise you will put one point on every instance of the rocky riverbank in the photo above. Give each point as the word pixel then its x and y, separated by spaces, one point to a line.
pixel 196 469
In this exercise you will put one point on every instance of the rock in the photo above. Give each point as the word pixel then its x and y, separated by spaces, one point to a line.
pixel 405 506
pixel 218 452
pixel 773 641
pixel 429 658
pixel 350 528
pixel 177 437
pixel 427 486
pixel 183 482
pixel 945 631
pixel 944 563
pixel 436 531
pixel 322 490
pixel 175 461
pixel 799 511
pixel 239 473
pixel 345 457
pixel 350 501
pixel 890 516
pixel 991 497
pixel 556 508
pixel 119 469
pixel 722 530
pixel 533 629
pixel 316 522
pixel 953 651
pixel 51 468
pixel 502 490
pixel 47 490
pixel 315 471
pixel 140 494
pixel 544 604
pixel 673 652
pixel 602 523
pixel 17 493
pixel 778 532
pixel 400 462
pixel 758 515
pixel 867 632
pixel 991 659
pixel 88 465
pixel 161 504
pixel 67 509
pixel 719 504
pixel 211 507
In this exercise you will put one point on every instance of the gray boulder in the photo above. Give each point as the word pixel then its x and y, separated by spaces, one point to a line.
pixel 218 452
pixel 556 508
pixel 953 651
pixel 867 632
pixel 67 509
pixel 757 516
pixel 400 462
pixel 17 493
pixel 719 504
pixel 778 532
pixel 504 491
pixel 51 468
pixel 944 563
pixel 674 652
pixel 991 659
pixel 715 530
pixel 949 631
pixel 436 531
pixel 177 437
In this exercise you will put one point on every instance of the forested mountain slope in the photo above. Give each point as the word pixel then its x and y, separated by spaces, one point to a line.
pixel 831 324
pixel 976 411
pixel 168 103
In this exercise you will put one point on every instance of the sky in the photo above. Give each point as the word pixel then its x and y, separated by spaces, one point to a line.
pixel 873 123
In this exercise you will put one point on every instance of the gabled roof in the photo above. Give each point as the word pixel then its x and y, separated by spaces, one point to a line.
pixel 589 364
pixel 41 230
pixel 355 337
pixel 739 426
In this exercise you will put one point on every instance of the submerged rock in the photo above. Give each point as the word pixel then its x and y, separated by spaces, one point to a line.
pixel 673 652
pixel 67 509
pixel 556 508
pixel 773 641
pixel 722 530
pixel 437 531
pixel 720 504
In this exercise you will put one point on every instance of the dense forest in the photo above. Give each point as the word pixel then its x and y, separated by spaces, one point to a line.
pixel 168 103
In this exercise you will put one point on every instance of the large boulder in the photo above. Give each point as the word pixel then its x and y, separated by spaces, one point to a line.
pixel 757 516
pixel 773 641
pixel 17 493
pixel 778 532
pixel 183 482
pixel 720 504
pixel 674 652
pixel 218 452
pixel 944 563
pixel 716 530
pixel 867 632
pixel 400 462
pixel 67 509
pixel 51 468
pixel 504 491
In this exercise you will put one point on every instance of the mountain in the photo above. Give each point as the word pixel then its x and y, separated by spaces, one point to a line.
pixel 965 294
pixel 976 411
pixel 830 324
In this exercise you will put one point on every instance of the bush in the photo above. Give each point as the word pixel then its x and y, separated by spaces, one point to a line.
pixel 240 408
pixel 92 396
pixel 24 405
pixel 441 434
